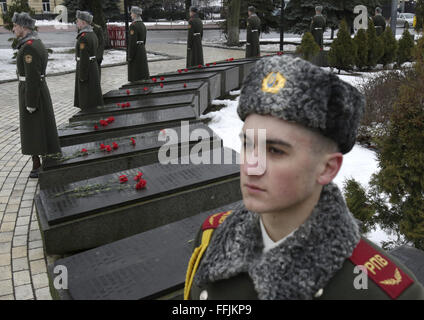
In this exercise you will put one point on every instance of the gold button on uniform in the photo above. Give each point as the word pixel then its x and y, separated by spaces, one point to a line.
pixel 319 293
pixel 203 295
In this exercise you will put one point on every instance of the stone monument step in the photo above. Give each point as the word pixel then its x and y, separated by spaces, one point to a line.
pixel 123 125
pixel 200 88
pixel 214 80
pixel 150 265
pixel 92 159
pixel 89 213
pixel 148 103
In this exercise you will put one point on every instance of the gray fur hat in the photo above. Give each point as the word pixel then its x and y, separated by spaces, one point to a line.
pixel 24 20
pixel 194 9
pixel 318 8
pixel 251 9
pixel 84 16
pixel 298 91
pixel 136 10
pixel 378 10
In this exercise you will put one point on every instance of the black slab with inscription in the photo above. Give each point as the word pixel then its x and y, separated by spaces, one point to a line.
pixel 150 265
pixel 126 124
pixel 93 212
pixel 230 75
pixel 74 165
pixel 412 258
pixel 244 67
pixel 199 88
pixel 148 103
pixel 212 78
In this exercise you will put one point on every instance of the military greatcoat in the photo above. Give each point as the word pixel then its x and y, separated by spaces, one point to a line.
pixel 252 36
pixel 138 68
pixel 38 129
pixel 194 42
pixel 379 24
pixel 88 92
pixel 317 29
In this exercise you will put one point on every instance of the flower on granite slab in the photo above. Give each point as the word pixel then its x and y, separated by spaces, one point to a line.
pixel 154 79
pixel 110 119
pixel 138 176
pixel 162 78
pixel 186 70
pixel 145 88
pixel 185 85
pixel 103 123
pixel 180 71
pixel 115 145
pixel 108 148
pixel 102 146
pixel 123 179
pixel 161 85
pixel 141 184
pixel 133 141
pixel 84 151
pixel 128 92
pixel 200 66
pixel 96 127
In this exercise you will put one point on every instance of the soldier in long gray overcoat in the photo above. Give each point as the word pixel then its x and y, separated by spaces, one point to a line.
pixel 138 67
pixel 252 34
pixel 379 22
pixel 318 26
pixel 88 92
pixel 37 122
pixel 194 39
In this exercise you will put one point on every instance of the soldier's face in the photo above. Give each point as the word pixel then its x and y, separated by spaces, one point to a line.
pixel 81 24
pixel 290 171
pixel 18 30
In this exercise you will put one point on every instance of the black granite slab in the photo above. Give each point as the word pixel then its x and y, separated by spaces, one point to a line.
pixel 74 165
pixel 126 124
pixel 212 78
pixel 149 265
pixel 93 212
pixel 148 103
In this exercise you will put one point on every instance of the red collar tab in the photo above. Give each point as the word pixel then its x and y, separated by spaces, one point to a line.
pixel 83 34
pixel 213 221
pixel 388 276
pixel 30 42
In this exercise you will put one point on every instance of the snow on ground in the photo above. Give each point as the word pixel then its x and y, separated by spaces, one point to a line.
pixel 62 59
pixel 360 163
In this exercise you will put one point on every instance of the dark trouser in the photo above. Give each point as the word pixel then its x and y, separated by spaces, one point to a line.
pixel 99 62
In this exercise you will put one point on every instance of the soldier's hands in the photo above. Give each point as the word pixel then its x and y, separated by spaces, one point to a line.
pixel 31 110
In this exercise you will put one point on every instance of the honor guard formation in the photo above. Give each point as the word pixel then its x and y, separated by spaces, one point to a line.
pixel 275 228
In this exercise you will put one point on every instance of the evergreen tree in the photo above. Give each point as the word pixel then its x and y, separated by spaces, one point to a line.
pixel 419 14
pixel 390 47
pixel 72 6
pixel 401 159
pixel 359 205
pixel 342 54
pixel 361 44
pixel 308 48
pixel 375 45
pixel 16 6
pixel 406 45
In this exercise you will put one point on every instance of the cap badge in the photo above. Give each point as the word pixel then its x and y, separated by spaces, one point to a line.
pixel 273 82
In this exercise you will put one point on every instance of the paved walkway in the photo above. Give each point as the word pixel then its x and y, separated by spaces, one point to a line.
pixel 22 259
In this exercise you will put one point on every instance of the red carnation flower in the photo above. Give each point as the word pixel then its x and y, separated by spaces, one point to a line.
pixel 162 78
pixel 208 65
pixel 115 145
pixel 185 85
pixel 214 63
pixel 123 179
pixel 128 92
pixel 128 104
pixel 102 146
pixel 280 53
pixel 186 70
pixel 154 79
pixel 84 150
pixel 96 127
pixel 161 85
pixel 145 88
pixel 103 123
pixel 180 71
pixel 200 66
pixel 108 148
pixel 231 59
pixel 138 176
pixel 133 141
pixel 118 105
pixel 141 184
pixel 110 119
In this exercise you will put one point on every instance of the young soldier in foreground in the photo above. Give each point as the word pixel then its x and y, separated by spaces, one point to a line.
pixel 88 92
pixel 295 237
pixel 138 67
pixel 37 121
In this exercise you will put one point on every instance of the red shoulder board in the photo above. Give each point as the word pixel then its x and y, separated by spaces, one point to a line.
pixel 388 276
pixel 29 42
pixel 213 221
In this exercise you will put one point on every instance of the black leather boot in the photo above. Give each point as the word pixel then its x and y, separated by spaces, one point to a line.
pixel 36 164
